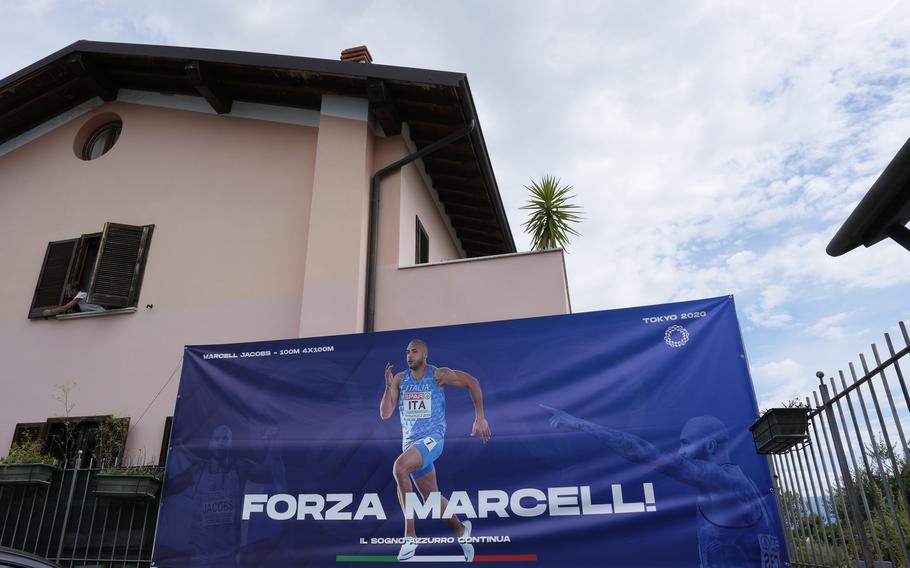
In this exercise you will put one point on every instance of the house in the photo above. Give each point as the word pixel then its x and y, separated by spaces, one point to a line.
pixel 204 196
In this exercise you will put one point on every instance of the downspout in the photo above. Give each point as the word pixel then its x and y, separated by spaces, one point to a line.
pixel 373 244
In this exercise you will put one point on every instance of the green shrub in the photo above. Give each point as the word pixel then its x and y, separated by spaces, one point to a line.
pixel 28 451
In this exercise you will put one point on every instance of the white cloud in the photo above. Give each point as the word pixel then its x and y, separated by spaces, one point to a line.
pixel 783 380
pixel 773 296
pixel 769 319
pixel 827 327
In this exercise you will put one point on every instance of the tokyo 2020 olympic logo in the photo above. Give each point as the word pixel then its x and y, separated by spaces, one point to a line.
pixel 676 336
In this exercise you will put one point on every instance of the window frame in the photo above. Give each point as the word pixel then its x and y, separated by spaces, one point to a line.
pixel 114 126
pixel 85 428
pixel 421 244
pixel 116 238
pixel 23 428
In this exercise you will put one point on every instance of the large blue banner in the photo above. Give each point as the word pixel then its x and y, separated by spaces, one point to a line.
pixel 615 438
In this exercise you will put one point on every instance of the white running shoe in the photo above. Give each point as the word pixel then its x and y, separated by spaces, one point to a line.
pixel 407 549
pixel 467 547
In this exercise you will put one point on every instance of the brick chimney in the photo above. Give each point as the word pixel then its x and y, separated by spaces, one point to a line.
pixel 359 54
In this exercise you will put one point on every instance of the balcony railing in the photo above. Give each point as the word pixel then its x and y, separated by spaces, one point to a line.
pixel 67 521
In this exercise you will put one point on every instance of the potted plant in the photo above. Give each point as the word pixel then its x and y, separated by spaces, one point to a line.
pixel 27 463
pixel 115 479
pixel 778 430
pixel 135 482
pixel 109 440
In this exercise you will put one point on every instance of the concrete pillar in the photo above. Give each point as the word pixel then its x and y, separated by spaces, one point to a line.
pixel 335 275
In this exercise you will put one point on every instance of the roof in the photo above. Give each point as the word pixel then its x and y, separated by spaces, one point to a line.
pixel 433 104
pixel 882 213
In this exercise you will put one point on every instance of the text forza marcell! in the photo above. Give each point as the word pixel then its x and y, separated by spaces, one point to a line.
pixel 530 502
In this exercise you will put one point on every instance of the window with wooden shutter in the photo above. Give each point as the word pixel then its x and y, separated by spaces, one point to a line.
pixel 108 266
pixel 59 260
pixel 29 432
pixel 101 439
pixel 117 275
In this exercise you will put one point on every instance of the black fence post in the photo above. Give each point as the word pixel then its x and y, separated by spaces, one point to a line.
pixel 845 473
pixel 69 504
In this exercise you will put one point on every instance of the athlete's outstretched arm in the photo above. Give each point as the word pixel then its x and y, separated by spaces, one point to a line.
pixel 188 466
pixel 636 449
pixel 445 376
pixel 271 470
pixel 183 480
pixel 390 397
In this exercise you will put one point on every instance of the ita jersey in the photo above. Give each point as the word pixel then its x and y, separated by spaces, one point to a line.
pixel 421 407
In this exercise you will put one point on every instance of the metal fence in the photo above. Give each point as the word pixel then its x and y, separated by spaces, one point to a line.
pixel 67 522
pixel 843 495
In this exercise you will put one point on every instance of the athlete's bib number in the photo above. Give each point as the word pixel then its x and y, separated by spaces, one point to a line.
pixel 418 405
pixel 218 511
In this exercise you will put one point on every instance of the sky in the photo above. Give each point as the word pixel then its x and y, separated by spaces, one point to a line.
pixel 715 147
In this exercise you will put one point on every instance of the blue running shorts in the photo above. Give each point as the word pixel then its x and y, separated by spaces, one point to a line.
pixel 430 448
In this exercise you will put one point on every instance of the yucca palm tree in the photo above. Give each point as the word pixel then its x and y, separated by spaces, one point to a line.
pixel 552 214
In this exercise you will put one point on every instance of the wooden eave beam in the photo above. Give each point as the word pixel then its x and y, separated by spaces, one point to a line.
pixel 482 249
pixel 46 97
pixel 461 168
pixel 153 82
pixel 459 183
pixel 383 108
pixel 459 151
pixel 489 237
pixel 443 96
pixel 200 77
pixel 20 123
pixel 486 232
pixel 431 128
pixel 460 197
pixel 435 114
pixel 272 91
pixel 459 208
pixel 97 81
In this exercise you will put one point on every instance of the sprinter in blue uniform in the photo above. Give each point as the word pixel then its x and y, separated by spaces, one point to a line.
pixel 419 395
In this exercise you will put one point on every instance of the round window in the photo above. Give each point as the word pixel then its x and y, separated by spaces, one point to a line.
pixel 101 140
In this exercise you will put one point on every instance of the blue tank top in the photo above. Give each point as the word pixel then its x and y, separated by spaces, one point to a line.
pixel 421 407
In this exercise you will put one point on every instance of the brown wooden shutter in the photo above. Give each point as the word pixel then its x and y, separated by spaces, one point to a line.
pixel 55 273
pixel 102 441
pixel 117 275
pixel 29 431
pixel 79 263
pixel 166 441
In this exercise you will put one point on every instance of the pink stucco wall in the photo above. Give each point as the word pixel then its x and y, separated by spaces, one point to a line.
pixel 474 290
pixel 230 201
pixel 335 274
pixel 403 197
pixel 260 233
pixel 450 289
pixel 417 202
